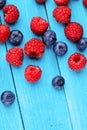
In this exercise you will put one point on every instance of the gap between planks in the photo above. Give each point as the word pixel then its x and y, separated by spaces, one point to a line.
pixel 14 87
pixel 59 69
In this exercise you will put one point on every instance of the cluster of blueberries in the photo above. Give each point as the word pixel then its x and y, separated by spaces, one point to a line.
pixel 60 48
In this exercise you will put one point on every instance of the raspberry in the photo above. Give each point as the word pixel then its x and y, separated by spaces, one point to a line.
pixel 34 48
pixel 11 13
pixel 38 25
pixel 77 61
pixel 61 2
pixel 4 32
pixel 41 1
pixel 32 73
pixel 62 14
pixel 15 56
pixel 73 31
pixel 85 3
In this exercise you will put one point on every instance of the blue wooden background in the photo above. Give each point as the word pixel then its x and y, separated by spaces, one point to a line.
pixel 39 106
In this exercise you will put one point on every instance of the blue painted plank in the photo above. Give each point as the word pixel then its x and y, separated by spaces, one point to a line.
pixel 76 83
pixel 42 106
pixel 9 116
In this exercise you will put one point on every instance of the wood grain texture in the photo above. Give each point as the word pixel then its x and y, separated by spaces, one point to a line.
pixel 76 82
pixel 42 107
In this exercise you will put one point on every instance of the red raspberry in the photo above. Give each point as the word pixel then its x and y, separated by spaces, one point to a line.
pixel 41 1
pixel 4 32
pixel 32 73
pixel 85 3
pixel 15 56
pixel 73 31
pixel 11 13
pixel 34 48
pixel 38 25
pixel 62 14
pixel 77 61
pixel 61 2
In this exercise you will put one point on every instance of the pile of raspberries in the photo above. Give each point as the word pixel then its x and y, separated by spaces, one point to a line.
pixel 35 48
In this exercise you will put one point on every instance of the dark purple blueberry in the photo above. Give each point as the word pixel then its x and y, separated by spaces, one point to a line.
pixel 49 37
pixel 60 48
pixel 2 3
pixel 7 98
pixel 16 37
pixel 58 82
pixel 82 44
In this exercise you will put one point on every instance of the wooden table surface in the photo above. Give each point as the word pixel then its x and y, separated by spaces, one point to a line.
pixel 39 106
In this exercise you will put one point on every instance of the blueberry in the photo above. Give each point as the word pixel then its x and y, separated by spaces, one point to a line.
pixel 82 44
pixel 16 37
pixel 7 98
pixel 2 3
pixel 58 82
pixel 49 37
pixel 60 48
